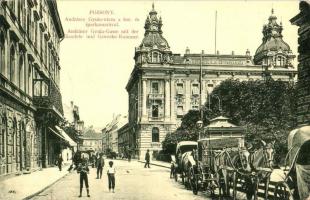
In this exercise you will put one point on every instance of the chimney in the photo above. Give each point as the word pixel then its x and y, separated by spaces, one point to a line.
pixel 247 53
pixel 218 52
pixel 202 51
pixel 232 53
pixel 187 51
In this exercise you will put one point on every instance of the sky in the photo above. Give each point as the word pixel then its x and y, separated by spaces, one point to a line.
pixel 94 72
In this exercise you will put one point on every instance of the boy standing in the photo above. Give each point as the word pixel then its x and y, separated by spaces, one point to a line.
pixel 111 176
pixel 83 170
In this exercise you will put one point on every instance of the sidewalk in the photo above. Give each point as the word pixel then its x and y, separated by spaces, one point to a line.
pixel 27 185
pixel 158 163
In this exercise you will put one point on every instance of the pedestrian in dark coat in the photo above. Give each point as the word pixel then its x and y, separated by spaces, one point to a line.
pixel 100 165
pixel 147 159
pixel 59 162
pixel 83 170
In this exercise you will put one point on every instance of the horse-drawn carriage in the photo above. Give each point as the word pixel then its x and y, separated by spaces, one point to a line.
pixel 182 159
pixel 296 183
pixel 221 160
pixel 212 169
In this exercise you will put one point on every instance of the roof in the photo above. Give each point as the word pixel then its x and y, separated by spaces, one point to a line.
pixel 186 143
pixel 153 34
pixel 272 38
pixel 90 133
pixel 296 139
pixel 220 122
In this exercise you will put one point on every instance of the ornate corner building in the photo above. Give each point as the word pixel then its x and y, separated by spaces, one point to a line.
pixel 302 21
pixel 164 86
pixel 30 99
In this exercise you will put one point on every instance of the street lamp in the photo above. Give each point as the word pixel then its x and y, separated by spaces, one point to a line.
pixel 199 125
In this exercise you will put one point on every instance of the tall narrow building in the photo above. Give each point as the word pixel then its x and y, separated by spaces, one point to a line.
pixel 30 99
pixel 302 21
pixel 164 86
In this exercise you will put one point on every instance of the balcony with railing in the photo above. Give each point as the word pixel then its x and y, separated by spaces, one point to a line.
pixel 52 101
pixel 156 96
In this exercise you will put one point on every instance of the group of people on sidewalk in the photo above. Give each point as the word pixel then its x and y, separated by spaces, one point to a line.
pixel 81 165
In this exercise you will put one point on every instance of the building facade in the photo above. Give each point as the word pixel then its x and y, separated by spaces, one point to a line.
pixel 164 86
pixel 111 132
pixel 302 21
pixel 30 100
pixel 72 116
pixel 90 140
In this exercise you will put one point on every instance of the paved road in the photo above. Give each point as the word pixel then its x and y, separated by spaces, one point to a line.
pixel 133 182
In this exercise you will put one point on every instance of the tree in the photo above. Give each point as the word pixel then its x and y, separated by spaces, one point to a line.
pixel 187 131
pixel 266 109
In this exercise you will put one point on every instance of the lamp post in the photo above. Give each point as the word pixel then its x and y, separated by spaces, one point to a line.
pixel 199 125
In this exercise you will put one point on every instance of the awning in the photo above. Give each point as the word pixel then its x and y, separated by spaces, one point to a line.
pixel 56 132
pixel 66 137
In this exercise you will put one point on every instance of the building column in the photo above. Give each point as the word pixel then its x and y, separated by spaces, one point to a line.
pixel 144 99
pixel 172 100
pixel 167 99
pixel 203 92
pixel 187 95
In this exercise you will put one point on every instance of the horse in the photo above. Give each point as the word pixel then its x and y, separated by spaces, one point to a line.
pixel 261 161
pixel 228 164
pixel 187 161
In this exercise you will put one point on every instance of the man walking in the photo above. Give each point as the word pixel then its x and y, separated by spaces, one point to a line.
pixel 147 159
pixel 59 162
pixel 100 165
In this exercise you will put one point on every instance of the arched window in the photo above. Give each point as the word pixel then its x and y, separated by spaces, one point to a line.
pixel 2 53
pixel 12 65
pixel 155 134
pixel 280 61
pixel 156 57
pixel 21 72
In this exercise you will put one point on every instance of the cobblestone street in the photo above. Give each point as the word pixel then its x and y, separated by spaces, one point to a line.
pixel 133 182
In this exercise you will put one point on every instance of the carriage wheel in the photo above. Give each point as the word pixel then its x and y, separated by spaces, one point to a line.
pixel 282 191
pixel 194 181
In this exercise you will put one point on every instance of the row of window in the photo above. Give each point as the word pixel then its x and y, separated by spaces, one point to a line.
pixel 179 88
pixel 26 17
pixel 16 71
pixel 20 73
pixel 278 61
pixel 12 136
pixel 90 143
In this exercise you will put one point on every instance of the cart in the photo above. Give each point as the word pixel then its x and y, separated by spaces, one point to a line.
pixel 296 183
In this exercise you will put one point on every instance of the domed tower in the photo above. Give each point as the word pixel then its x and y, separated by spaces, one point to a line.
pixel 154 48
pixel 273 52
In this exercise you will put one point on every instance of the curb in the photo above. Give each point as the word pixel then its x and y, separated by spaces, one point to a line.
pixel 158 165
pixel 36 193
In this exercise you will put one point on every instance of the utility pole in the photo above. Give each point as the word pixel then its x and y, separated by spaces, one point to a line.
pixel 215 27
pixel 200 88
